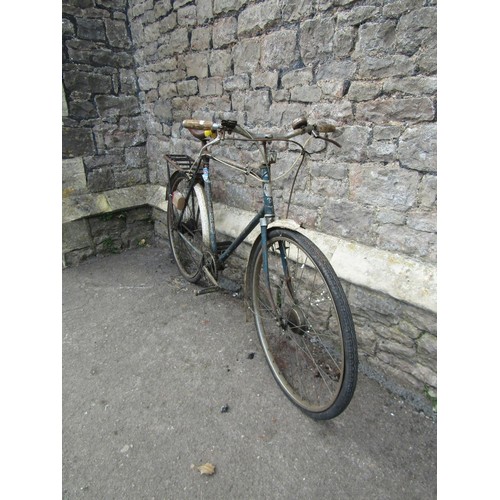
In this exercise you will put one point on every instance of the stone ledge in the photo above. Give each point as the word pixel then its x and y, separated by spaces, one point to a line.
pixel 82 205
pixel 399 276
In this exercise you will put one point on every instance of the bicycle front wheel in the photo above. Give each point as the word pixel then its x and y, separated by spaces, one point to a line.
pixel 304 323
pixel 187 220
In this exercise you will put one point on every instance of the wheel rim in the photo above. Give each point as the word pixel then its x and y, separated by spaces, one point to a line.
pixel 186 236
pixel 303 342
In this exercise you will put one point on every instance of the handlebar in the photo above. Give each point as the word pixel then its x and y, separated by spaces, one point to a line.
pixel 300 127
pixel 199 124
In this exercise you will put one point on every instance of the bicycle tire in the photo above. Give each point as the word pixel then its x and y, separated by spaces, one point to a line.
pixel 189 236
pixel 309 341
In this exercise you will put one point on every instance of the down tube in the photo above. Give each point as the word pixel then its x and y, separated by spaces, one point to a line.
pixel 237 242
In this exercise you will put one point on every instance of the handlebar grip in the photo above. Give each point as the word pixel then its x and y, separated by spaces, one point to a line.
pixel 324 127
pixel 198 124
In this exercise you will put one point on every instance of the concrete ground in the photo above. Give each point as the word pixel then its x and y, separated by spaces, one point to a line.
pixel 147 368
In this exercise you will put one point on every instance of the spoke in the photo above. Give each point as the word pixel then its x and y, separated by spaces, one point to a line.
pixel 190 245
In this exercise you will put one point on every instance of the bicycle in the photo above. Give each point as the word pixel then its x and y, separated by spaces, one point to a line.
pixel 301 313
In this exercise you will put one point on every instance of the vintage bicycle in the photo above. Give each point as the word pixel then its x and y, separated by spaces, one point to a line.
pixel 301 312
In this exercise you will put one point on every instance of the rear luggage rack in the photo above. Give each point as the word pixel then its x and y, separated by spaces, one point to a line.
pixel 179 162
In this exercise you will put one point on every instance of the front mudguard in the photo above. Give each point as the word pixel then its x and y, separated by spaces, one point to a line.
pixel 289 224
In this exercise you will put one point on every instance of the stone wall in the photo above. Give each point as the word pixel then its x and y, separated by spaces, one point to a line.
pixel 133 70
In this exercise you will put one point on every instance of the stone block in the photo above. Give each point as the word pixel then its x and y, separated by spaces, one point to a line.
pixel 399 350
pixel 177 41
pixel 224 32
pixel 303 76
pixel 180 3
pixel 77 142
pixel 105 57
pixel 346 219
pixel 128 178
pixel 336 70
pixel 295 10
pixel 237 82
pixel 204 11
pixel 384 67
pixel 267 79
pixel 396 110
pixel 135 157
pixel 316 39
pixel 76 236
pixel 82 110
pixel 255 19
pixel 163 110
pixel 168 23
pixel 83 81
pixel 427 346
pixel 101 179
pixel 415 29
pixel 305 93
pixel 426 57
pixel 246 55
pixel 186 16
pixel 64 104
pixel 376 38
pixel 386 132
pixel 73 177
pixel 395 9
pixel 273 56
pixel 428 191
pixel 364 91
pixel 210 86
pixel 381 151
pixel 90 29
pixel 196 64
pixel 184 88
pixel 201 38
pixel 344 39
pixel 257 105
pixel 112 4
pixel 418 147
pixel 357 15
pixel 117 34
pixel 109 105
pixel 334 90
pixel 422 221
pixel 147 80
pixel 403 239
pixel 383 185
pixel 68 29
pixel 354 141
pixel 225 6
pixel 220 63
pixel 412 85
pixel 128 82
pixel 161 8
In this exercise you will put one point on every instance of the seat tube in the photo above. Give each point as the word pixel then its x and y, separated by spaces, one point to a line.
pixel 267 192
pixel 205 164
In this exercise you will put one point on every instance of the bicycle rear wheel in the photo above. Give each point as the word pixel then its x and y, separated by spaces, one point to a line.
pixel 187 225
pixel 304 324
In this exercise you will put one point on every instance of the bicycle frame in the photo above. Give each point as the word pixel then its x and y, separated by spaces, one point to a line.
pixel 264 216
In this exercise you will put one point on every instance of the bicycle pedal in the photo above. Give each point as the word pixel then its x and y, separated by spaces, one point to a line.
pixel 208 289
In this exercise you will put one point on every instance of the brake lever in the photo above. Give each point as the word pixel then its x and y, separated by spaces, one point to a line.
pixel 316 135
